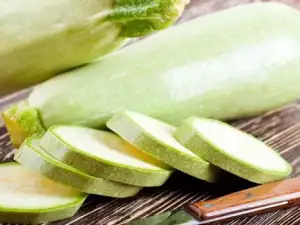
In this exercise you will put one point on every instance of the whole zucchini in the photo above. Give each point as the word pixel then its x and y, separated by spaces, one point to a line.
pixel 239 62
pixel 40 38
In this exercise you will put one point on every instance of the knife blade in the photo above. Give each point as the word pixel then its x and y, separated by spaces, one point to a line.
pixel 256 200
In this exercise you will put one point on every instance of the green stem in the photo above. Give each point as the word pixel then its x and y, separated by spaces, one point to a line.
pixel 141 17
pixel 22 121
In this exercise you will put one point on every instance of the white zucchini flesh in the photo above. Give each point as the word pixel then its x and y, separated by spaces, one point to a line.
pixel 33 157
pixel 104 154
pixel 155 138
pixel 27 197
pixel 233 150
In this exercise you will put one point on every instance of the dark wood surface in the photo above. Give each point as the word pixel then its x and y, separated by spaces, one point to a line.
pixel 280 129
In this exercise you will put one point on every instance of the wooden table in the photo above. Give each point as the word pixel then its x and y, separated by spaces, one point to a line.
pixel 280 129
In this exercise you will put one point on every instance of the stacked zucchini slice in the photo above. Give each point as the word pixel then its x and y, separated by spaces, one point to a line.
pixel 57 170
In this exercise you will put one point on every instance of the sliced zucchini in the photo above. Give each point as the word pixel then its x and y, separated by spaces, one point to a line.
pixel 27 197
pixel 104 154
pixel 156 139
pixel 232 150
pixel 30 151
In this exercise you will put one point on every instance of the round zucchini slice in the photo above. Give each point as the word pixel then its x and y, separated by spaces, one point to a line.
pixel 233 150
pixel 155 138
pixel 104 154
pixel 27 197
pixel 33 157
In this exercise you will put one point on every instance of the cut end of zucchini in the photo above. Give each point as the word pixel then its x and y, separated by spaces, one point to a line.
pixel 233 150
pixel 46 165
pixel 155 138
pixel 22 121
pixel 139 18
pixel 28 197
pixel 104 154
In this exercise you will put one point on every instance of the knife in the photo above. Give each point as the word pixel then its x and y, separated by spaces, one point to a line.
pixel 260 199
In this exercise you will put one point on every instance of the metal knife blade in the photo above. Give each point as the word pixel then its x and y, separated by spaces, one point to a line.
pixel 180 217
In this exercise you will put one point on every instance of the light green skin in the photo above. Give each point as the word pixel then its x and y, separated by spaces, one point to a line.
pixel 40 39
pixel 125 126
pixel 45 164
pixel 24 216
pixel 192 139
pixel 67 154
pixel 240 62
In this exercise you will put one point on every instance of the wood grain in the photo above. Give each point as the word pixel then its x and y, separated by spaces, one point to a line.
pixel 249 202
pixel 280 129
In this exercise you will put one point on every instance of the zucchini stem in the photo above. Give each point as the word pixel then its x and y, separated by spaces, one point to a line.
pixel 22 121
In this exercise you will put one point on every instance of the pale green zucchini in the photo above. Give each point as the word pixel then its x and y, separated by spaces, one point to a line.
pixel 232 150
pixel 104 154
pixel 156 139
pixel 29 198
pixel 239 62
pixel 32 156
pixel 41 38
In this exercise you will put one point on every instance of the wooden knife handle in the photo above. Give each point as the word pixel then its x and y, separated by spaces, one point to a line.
pixel 252 201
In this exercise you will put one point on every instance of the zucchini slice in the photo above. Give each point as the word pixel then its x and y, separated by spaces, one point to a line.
pixel 45 164
pixel 233 150
pixel 104 154
pixel 156 139
pixel 27 197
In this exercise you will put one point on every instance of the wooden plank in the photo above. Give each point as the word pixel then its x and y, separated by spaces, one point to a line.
pixel 280 129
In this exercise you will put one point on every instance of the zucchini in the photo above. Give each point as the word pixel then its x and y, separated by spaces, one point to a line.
pixel 104 154
pixel 232 150
pixel 240 62
pixel 156 139
pixel 28 198
pixel 46 165
pixel 40 39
